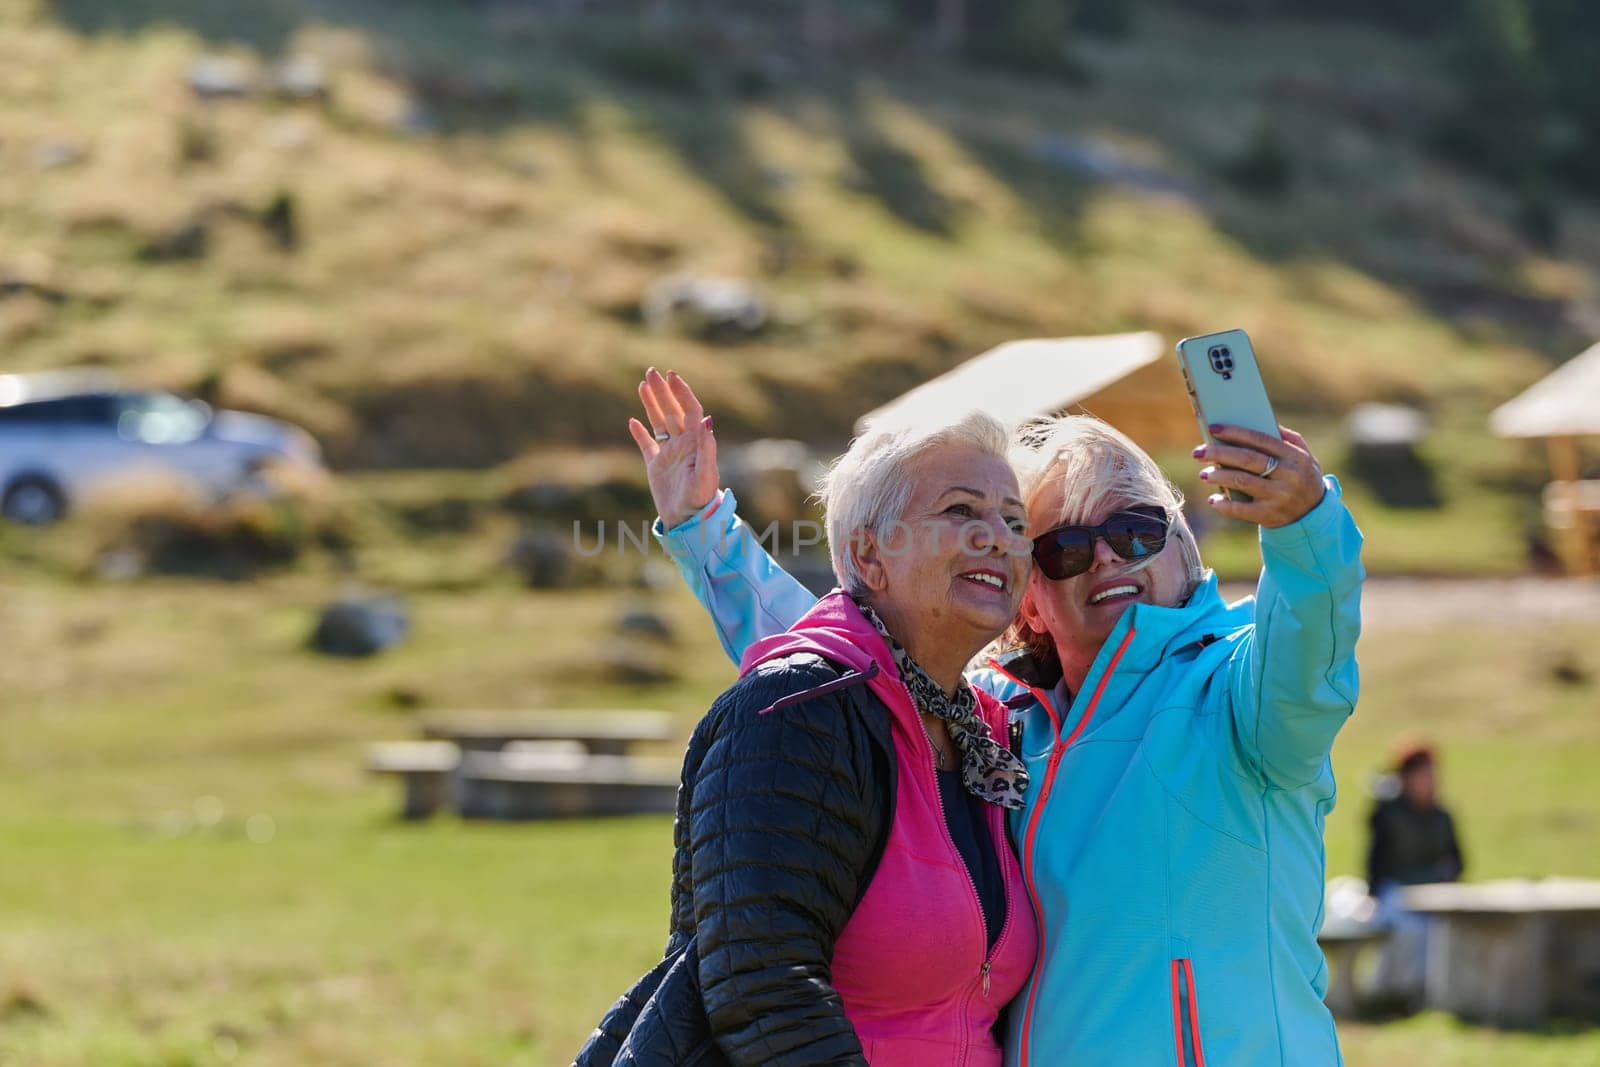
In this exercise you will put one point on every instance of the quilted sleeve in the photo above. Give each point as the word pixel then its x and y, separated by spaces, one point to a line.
pixel 783 822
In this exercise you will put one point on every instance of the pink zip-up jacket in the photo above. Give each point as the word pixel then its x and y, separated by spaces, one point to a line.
pixel 912 966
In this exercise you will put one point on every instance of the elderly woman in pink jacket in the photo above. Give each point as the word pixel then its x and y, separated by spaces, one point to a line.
pixel 844 891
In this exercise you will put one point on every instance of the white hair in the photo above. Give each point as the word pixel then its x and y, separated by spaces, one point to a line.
pixel 869 486
pixel 1094 468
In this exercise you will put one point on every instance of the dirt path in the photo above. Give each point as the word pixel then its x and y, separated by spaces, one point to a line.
pixel 1409 602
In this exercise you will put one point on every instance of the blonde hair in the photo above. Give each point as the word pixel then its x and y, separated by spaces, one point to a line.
pixel 1095 468
pixel 868 487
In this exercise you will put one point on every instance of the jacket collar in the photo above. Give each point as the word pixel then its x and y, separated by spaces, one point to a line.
pixel 1204 617
pixel 835 629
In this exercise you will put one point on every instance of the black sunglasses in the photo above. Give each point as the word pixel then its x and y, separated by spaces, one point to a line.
pixel 1134 533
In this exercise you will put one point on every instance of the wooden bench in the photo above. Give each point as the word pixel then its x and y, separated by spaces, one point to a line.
pixel 602 733
pixel 524 782
pixel 544 764
pixel 425 768
pixel 1512 953
pixel 1350 935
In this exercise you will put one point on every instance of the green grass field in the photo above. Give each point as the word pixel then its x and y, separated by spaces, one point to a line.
pixel 197 871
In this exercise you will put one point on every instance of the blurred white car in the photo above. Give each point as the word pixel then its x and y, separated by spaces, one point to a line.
pixel 66 436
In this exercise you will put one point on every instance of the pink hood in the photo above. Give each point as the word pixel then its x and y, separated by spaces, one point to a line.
pixel 835 629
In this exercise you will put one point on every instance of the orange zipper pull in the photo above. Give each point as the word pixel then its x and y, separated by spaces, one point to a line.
pixel 986 980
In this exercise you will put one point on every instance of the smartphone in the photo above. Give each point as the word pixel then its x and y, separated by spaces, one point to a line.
pixel 1224 383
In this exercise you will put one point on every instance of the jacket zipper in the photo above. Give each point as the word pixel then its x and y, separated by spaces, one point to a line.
pixel 1186 1013
pixel 1056 752
pixel 944 824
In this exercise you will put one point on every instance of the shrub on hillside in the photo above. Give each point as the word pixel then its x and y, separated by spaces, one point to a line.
pixel 1025 37
pixel 1529 113
pixel 652 61
pixel 582 496
pixel 1264 166
pixel 1112 19
pixel 1412 16
pixel 159 527
pixel 1528 110
pixel 1030 57
pixel 1538 217
pixel 234 544
pixel 899 181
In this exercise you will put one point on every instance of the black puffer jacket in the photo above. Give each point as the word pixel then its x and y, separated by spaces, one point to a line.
pixel 783 812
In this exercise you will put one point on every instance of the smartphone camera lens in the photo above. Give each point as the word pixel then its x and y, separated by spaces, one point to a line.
pixel 1221 357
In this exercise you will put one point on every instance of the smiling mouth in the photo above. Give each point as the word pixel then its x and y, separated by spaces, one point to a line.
pixel 1114 591
pixel 993 581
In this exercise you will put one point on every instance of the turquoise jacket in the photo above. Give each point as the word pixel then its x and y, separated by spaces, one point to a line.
pixel 1172 835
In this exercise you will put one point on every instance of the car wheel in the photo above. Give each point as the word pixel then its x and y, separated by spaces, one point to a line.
pixel 35 500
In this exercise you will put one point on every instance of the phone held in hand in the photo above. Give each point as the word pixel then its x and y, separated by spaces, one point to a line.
pixel 1225 387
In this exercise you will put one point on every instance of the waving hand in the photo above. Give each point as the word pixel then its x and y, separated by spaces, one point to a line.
pixel 680 453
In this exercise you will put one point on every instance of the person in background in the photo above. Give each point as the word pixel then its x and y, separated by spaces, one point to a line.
pixel 843 889
pixel 1413 843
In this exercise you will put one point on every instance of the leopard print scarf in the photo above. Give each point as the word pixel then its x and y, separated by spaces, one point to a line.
pixel 988 770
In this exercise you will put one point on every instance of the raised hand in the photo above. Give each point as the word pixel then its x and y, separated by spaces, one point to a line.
pixel 682 469
pixel 1280 492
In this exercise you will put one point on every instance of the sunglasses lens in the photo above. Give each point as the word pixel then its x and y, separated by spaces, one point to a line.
pixel 1068 551
pixel 1136 535
pixel 1064 553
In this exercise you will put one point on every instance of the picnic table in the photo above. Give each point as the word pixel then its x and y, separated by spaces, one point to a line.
pixel 602 733
pixel 528 765
pixel 424 767
pixel 1512 953
pixel 1344 941
pixel 531 780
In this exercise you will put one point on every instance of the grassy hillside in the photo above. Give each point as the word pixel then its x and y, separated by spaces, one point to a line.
pixel 485 195
pixel 442 261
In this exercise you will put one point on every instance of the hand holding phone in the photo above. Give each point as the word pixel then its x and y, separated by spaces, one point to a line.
pixel 1266 472
pixel 1225 386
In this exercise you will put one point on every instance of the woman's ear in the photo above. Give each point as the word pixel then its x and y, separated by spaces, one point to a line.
pixel 867 555
pixel 1028 610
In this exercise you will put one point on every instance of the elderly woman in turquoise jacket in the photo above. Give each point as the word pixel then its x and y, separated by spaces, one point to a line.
pixel 1178 746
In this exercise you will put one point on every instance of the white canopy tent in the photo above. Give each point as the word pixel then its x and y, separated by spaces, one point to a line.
pixel 1562 407
pixel 1019 380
